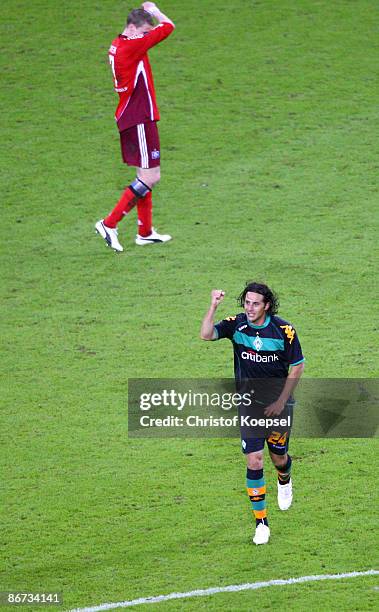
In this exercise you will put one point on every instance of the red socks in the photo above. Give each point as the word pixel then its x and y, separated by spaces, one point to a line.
pixel 125 204
pixel 145 213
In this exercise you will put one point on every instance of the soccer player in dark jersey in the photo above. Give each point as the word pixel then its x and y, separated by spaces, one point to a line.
pixel 265 347
pixel 136 116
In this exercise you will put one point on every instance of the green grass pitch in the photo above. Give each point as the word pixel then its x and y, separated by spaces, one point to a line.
pixel 268 172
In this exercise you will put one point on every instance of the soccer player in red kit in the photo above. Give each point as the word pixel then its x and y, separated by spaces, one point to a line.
pixel 136 117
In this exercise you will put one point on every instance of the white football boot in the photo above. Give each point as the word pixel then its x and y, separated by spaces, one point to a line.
pixel 153 238
pixel 109 234
pixel 262 534
pixel 285 495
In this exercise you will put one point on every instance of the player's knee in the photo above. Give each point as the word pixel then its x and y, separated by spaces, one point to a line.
pixel 255 461
pixel 150 176
pixel 279 460
pixel 157 175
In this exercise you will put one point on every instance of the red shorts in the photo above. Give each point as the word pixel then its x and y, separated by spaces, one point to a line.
pixel 140 145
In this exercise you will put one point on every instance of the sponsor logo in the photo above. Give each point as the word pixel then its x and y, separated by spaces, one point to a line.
pixel 241 328
pixel 112 49
pixel 155 154
pixel 252 356
pixel 257 344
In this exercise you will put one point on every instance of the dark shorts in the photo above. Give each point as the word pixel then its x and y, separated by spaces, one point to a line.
pixel 277 441
pixel 140 145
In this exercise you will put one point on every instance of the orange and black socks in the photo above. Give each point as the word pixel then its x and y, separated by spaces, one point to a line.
pixel 256 490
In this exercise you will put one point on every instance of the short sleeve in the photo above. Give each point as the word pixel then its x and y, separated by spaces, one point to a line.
pixel 294 353
pixel 225 328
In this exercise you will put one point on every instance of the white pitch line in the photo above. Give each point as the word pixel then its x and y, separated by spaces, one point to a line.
pixel 233 588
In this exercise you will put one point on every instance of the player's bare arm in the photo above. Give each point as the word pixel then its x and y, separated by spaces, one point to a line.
pixel 292 379
pixel 151 7
pixel 207 331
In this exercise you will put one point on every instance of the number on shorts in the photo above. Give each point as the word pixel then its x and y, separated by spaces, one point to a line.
pixel 277 438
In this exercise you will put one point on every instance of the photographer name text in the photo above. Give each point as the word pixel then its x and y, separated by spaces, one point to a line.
pixel 197 421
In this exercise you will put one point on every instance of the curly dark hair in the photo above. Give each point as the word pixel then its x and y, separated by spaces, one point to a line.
pixel 139 17
pixel 268 295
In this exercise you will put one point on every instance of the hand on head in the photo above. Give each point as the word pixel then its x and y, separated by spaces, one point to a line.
pixel 149 6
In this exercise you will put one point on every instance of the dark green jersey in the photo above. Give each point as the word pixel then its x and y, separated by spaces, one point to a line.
pixel 261 351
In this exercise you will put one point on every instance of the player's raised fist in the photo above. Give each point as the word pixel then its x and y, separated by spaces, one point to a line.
pixel 217 295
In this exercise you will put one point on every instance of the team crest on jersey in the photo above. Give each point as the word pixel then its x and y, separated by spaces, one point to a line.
pixel 155 154
pixel 257 344
pixel 289 331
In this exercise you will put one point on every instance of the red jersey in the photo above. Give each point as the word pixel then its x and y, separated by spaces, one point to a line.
pixel 133 78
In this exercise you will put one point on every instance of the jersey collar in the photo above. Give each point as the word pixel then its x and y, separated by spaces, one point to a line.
pixel 267 321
